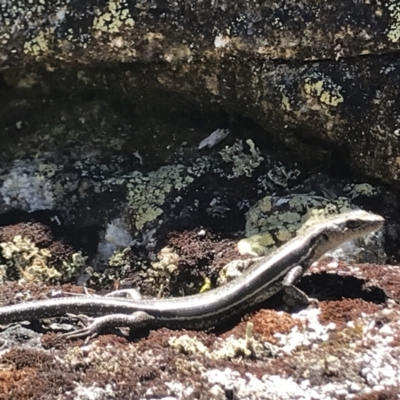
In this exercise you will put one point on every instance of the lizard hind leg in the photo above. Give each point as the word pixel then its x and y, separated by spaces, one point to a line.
pixel 136 320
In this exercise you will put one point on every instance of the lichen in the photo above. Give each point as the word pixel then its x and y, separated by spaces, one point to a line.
pixel 323 88
pixel 155 276
pixel 167 261
pixel 243 163
pixel 393 33
pixel 42 18
pixel 360 189
pixel 280 176
pixel 113 17
pixel 256 245
pixel 214 138
pixel 116 238
pixel 227 349
pixel 26 261
pixel 72 266
pixel 119 258
pixel 273 220
pixel 146 194
pixel 27 186
pixel 40 43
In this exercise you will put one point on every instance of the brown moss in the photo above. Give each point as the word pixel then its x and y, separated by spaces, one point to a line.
pixel 269 322
pixel 28 374
pixel 266 323
pixel 196 250
pixel 342 311
pixel 200 256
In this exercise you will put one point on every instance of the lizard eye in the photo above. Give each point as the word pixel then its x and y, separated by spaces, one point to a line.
pixel 354 224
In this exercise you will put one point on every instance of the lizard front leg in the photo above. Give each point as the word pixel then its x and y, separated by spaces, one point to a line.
pixel 293 295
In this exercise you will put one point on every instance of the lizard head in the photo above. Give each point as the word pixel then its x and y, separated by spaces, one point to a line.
pixel 351 225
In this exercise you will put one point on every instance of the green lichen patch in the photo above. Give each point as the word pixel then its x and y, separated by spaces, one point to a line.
pixel 274 220
pixel 146 193
pixel 43 17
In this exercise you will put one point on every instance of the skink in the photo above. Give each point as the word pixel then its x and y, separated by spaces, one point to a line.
pixel 281 270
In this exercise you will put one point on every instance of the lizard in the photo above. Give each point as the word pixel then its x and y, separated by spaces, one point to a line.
pixel 279 271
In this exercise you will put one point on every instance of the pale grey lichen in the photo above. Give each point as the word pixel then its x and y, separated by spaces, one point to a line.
pixel 27 186
pixel 360 189
pixel 226 349
pixel 279 175
pixel 116 237
pixel 243 163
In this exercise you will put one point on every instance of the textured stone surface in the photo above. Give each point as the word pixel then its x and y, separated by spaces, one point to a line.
pixel 320 78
